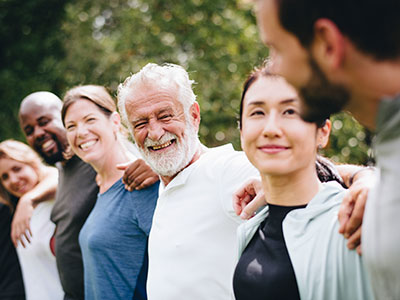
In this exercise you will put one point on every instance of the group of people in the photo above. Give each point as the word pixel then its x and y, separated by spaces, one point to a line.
pixel 164 219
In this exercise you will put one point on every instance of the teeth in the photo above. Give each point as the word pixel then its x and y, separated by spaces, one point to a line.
pixel 47 144
pixel 161 146
pixel 87 145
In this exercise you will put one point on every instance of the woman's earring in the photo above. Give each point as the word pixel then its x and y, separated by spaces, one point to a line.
pixel 319 147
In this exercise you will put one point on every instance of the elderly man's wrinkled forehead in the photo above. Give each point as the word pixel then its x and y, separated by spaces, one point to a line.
pixel 152 89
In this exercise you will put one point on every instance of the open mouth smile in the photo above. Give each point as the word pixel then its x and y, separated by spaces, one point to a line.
pixel 47 145
pixel 87 145
pixel 162 146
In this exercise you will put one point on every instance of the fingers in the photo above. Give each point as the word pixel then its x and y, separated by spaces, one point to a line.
pixel 20 227
pixel 354 240
pixel 240 200
pixel 133 170
pixel 358 249
pixel 25 236
pixel 355 220
pixel 250 209
pixel 345 211
pixel 123 166
pixel 21 242
pixel 245 196
pixel 147 182
pixel 22 234
pixel 138 175
pixel 129 170
pixel 136 182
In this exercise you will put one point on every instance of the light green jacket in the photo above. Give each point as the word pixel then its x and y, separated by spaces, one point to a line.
pixel 324 267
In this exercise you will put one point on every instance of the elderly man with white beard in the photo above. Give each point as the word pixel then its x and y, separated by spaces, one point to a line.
pixel 192 243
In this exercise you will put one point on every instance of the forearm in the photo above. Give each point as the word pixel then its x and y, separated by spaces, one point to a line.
pixel 351 173
pixel 45 189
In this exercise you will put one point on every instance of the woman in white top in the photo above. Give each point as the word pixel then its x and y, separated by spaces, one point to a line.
pixel 21 170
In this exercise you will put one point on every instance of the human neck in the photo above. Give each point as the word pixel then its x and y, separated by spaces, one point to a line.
pixel 106 168
pixel 291 189
pixel 372 81
pixel 201 149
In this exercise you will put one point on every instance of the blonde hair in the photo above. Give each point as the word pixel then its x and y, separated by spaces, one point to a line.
pixel 22 153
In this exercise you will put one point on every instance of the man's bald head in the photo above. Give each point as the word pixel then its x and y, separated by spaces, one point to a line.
pixel 40 120
pixel 43 99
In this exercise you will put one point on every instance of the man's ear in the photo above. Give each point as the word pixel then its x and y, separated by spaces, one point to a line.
pixel 328 46
pixel 195 114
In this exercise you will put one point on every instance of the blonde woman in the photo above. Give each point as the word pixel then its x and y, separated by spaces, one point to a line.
pixel 21 171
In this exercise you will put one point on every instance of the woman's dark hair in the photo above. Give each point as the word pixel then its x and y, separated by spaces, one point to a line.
pixel 258 72
pixel 326 170
pixel 254 75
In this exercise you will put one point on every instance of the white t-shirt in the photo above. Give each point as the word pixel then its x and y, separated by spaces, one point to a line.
pixel 192 243
pixel 38 264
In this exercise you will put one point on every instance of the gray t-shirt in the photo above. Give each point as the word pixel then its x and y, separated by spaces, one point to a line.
pixel 76 196
pixel 381 225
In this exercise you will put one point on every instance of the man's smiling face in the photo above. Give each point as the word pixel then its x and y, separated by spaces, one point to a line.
pixel 163 132
pixel 40 121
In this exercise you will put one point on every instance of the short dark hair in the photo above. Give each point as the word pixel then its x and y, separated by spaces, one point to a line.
pixel 373 26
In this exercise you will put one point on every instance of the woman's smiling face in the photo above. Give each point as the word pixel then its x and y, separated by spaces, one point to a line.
pixel 16 177
pixel 90 132
pixel 276 140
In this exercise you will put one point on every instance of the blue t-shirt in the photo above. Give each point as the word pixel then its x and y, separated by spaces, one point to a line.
pixel 114 243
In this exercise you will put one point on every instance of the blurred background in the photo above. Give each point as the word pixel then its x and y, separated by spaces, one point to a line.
pixel 54 45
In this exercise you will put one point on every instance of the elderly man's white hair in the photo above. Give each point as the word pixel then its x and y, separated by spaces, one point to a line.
pixel 164 76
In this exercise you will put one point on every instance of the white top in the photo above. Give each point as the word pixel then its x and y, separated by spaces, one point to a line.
pixel 192 243
pixel 38 264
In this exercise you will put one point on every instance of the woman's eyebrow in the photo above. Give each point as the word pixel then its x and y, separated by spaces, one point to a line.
pixel 288 101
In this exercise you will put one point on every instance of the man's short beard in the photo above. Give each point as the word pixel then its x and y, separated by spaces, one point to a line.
pixel 53 158
pixel 321 97
pixel 171 162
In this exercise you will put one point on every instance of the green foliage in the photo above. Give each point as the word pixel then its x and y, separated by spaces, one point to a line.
pixel 29 56
pixel 215 40
pixel 349 141
pixel 54 45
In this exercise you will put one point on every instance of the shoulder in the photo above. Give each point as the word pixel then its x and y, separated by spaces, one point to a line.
pixel 76 168
pixel 144 197
pixel 226 158
pixel 331 194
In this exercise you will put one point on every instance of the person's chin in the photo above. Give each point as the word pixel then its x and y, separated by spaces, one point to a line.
pixel 53 158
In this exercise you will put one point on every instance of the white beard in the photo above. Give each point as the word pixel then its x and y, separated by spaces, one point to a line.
pixel 171 162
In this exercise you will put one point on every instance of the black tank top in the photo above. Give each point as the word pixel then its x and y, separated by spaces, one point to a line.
pixel 264 270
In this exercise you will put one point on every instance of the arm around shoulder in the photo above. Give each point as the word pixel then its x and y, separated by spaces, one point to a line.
pixel 43 191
